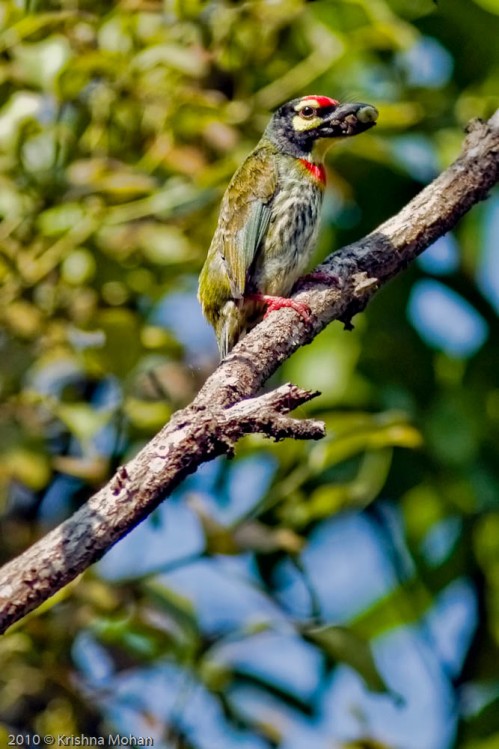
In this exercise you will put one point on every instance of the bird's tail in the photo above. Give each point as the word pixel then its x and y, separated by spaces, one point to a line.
pixel 230 327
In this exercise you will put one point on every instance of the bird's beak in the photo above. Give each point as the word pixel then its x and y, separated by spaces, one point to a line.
pixel 349 119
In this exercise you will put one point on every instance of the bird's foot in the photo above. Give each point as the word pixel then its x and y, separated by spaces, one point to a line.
pixel 274 303
pixel 320 276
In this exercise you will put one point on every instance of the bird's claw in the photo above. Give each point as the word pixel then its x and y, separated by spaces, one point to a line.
pixel 282 302
pixel 274 303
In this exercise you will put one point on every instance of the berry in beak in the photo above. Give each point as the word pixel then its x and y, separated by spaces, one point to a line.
pixel 349 119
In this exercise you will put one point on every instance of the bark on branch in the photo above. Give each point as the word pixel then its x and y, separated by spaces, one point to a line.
pixel 228 407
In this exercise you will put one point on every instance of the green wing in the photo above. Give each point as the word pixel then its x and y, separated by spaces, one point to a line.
pixel 245 216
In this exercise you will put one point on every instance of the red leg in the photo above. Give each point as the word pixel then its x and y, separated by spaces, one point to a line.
pixel 274 303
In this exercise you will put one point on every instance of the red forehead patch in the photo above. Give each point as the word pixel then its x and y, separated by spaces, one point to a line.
pixel 322 101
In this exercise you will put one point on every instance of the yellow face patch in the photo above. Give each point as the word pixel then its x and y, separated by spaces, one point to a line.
pixel 305 119
pixel 301 125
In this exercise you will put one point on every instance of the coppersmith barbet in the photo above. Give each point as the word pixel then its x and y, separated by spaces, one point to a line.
pixel 269 217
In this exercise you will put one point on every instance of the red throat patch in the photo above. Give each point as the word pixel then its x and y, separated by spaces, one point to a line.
pixel 316 170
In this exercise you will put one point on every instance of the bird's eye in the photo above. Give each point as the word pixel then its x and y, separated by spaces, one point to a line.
pixel 307 113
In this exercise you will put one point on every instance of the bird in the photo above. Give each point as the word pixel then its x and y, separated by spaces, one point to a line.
pixel 269 216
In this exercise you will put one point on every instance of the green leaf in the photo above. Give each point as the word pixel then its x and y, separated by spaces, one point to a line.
pixel 29 467
pixel 147 415
pixel 401 606
pixel 123 346
pixel 341 644
pixel 350 434
pixel 82 419
pixel 177 607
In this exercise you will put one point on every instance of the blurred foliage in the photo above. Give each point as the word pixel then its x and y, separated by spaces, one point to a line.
pixel 120 126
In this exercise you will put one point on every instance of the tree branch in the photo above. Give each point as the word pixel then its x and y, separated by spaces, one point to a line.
pixel 227 407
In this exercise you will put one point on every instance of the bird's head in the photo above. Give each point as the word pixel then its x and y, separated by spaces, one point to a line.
pixel 298 125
